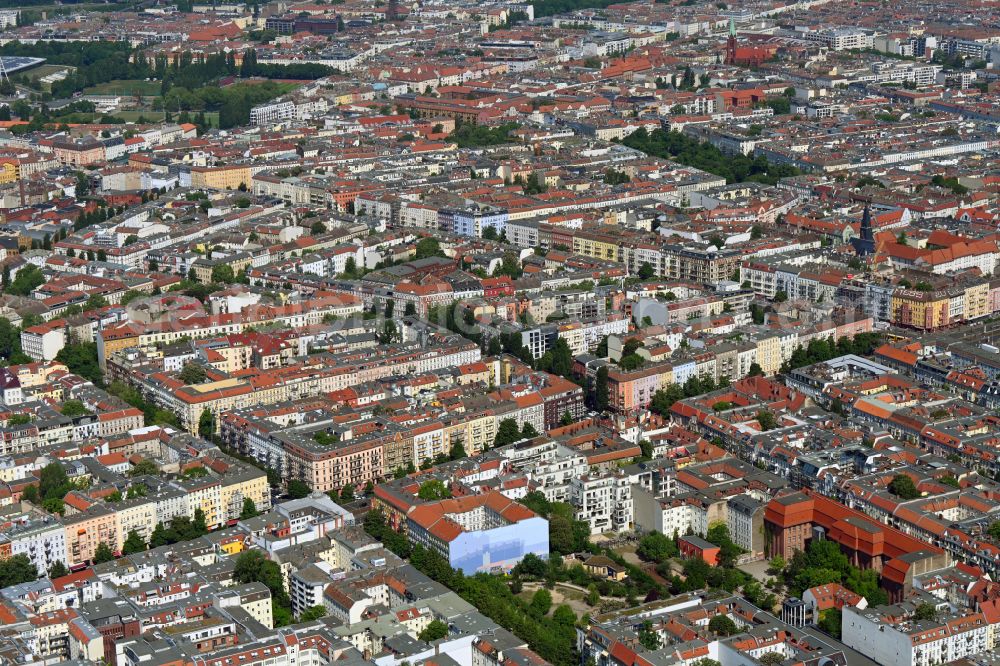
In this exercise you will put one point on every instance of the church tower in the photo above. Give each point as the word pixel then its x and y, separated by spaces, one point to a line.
pixel 731 43
pixel 864 244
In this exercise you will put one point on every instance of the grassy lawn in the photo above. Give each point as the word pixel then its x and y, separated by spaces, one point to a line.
pixel 45 70
pixel 282 86
pixel 128 87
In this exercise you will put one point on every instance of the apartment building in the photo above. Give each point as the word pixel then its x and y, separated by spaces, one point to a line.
pixel 42 541
pixel 227 177
pixel 893 639
pixel 43 342
pixel 487 532
pixel 272 112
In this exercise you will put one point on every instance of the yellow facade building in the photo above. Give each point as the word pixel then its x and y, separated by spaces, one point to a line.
pixel 228 177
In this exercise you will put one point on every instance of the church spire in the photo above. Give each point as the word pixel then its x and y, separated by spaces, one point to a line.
pixel 866 223
pixel 732 27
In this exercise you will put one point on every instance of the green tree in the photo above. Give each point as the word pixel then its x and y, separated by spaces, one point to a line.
pixel 10 344
pixel 433 489
pixel 646 449
pixel 428 247
pixel 53 482
pixel 656 547
pixel 206 424
pixel 721 625
pixel 103 553
pixel 145 466
pixel 95 302
pixel 925 611
pixel 541 602
pixel 249 509
pixel 162 536
pixel 26 281
pixel 562 358
pixel 564 615
pixel 298 489
pixel 903 487
pixel 133 543
pixel 528 431
pixel 30 494
pixel 601 389
pixel 192 373
pixel 73 408
pixel 865 583
pixel 223 274
pixel 58 570
pixel 507 433
pixel 312 613
pixel 252 566
pixel 132 294
pixel 198 525
pixel 16 570
pixel 830 621
pixel 471 135
pixel 435 630
pixel 649 638
pixel 389 334
pixel 767 420
pixel 81 359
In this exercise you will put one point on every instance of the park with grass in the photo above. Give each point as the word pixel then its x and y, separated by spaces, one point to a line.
pixel 210 91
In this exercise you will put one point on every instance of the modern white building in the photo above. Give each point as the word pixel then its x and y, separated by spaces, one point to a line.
pixel 272 112
pixel 745 519
pixel 43 541
pixel 895 641
pixel 840 39
pixel 44 341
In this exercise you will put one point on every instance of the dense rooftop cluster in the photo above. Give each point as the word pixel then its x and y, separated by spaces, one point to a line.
pixel 564 332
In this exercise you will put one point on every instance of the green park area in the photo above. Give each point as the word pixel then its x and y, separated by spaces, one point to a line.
pixel 125 88
pixel 210 91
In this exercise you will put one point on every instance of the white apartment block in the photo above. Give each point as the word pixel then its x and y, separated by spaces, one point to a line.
pixel 602 501
pixel 8 18
pixel 912 642
pixel 418 215
pixel 272 112
pixel 43 342
pixel 840 39
pixel 43 542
